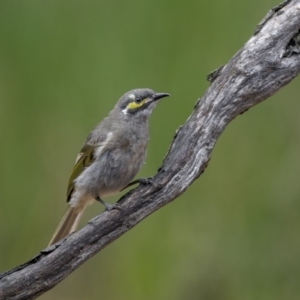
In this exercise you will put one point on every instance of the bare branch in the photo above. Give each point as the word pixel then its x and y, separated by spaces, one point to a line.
pixel 267 62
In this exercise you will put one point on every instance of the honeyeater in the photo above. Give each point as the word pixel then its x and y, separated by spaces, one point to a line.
pixel 110 157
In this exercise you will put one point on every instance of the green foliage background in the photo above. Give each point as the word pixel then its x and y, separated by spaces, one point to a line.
pixel 234 234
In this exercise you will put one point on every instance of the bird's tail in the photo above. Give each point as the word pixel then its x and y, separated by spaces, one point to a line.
pixel 67 224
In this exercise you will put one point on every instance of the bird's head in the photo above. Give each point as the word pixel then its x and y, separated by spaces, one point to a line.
pixel 139 102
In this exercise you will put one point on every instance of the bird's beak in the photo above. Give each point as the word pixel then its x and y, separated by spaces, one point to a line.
pixel 158 96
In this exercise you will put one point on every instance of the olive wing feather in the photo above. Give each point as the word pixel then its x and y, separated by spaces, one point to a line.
pixel 84 159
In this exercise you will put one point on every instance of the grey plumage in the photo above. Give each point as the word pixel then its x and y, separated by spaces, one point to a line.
pixel 111 156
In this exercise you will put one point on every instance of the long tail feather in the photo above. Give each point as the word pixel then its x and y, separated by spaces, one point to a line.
pixel 67 224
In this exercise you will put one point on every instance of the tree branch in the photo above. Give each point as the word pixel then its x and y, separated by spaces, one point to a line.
pixel 267 62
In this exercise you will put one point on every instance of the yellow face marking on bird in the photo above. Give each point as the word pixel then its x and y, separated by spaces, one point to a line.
pixel 135 104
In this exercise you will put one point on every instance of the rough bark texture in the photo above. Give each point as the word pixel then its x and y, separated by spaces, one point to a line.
pixel 267 62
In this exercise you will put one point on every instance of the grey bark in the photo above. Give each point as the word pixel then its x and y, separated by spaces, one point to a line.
pixel 267 62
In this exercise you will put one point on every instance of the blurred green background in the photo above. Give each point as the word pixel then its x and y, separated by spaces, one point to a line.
pixel 234 234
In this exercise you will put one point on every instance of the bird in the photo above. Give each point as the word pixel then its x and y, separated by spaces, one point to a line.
pixel 110 157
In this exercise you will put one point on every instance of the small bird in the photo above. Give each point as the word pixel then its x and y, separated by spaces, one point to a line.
pixel 110 157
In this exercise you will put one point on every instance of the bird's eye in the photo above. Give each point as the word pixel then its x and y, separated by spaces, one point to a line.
pixel 136 103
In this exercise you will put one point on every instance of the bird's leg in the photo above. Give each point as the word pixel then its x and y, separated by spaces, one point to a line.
pixel 143 181
pixel 108 206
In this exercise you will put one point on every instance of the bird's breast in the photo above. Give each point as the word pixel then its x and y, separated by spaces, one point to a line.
pixel 116 165
pixel 132 149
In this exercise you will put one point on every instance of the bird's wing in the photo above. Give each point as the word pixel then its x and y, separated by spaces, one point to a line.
pixel 84 159
pixel 92 148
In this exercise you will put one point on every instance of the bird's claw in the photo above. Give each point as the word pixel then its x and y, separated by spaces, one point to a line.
pixel 109 207
pixel 143 181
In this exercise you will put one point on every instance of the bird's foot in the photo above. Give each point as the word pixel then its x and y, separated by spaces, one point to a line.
pixel 141 181
pixel 145 181
pixel 109 206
